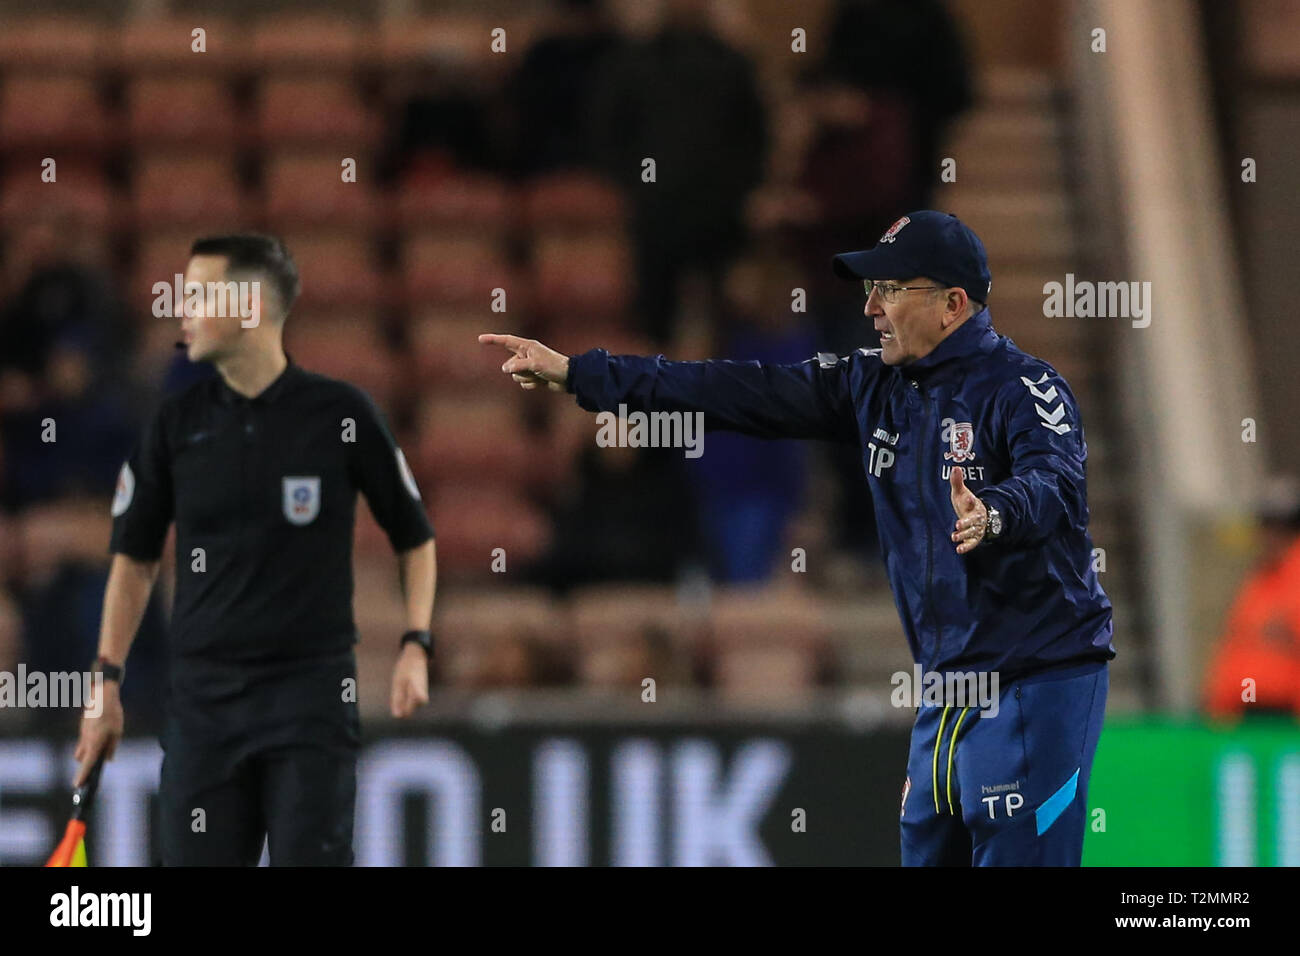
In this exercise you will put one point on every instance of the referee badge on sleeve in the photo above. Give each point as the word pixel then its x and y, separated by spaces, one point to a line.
pixel 408 479
pixel 125 490
pixel 301 499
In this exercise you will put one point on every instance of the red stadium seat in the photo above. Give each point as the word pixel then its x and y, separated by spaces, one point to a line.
pixel 343 345
pixel 51 112
pixel 309 190
pixel 446 354
pixel 459 271
pixel 152 45
pixel 575 334
pixel 586 276
pixel 615 626
pixel 767 644
pixel 480 633
pixel 313 42
pixel 466 202
pixel 48 44
pixel 171 109
pixel 474 519
pixel 464 437
pixel 315 111
pixel 202 191
pixel 161 254
pixel 573 201
pixel 337 270
pixel 80 188
pixel 618 611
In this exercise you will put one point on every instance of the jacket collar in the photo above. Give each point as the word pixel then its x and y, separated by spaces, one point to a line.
pixel 973 338
pixel 282 384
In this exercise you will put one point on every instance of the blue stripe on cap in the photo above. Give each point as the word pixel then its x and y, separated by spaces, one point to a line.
pixel 1054 805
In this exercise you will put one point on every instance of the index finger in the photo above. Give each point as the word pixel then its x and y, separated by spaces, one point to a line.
pixel 512 342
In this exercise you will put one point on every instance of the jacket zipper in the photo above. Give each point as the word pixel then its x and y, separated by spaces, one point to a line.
pixel 929 538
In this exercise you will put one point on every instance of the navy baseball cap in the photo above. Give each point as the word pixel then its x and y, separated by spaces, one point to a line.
pixel 936 245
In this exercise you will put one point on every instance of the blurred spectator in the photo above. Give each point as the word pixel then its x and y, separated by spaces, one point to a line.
pixel 867 126
pixel 60 300
pixel 749 489
pixel 874 46
pixel 689 102
pixel 629 518
pixel 548 95
pixel 445 120
pixel 1262 638
pixel 66 426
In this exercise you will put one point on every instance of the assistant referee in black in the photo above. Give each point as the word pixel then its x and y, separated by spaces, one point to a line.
pixel 259 467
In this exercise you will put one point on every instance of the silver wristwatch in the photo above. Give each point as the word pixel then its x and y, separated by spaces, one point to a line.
pixel 994 526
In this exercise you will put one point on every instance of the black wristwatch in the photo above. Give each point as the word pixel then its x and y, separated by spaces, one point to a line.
pixel 106 667
pixel 422 637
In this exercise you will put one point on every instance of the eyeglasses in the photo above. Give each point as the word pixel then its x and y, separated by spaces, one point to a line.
pixel 891 293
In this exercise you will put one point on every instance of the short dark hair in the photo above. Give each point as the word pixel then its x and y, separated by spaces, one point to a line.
pixel 252 252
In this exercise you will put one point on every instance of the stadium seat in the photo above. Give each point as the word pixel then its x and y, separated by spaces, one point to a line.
pixel 463 436
pixel 337 270
pixel 446 354
pixel 168 109
pixel 308 190
pixel 80 188
pixel 188 189
pixel 578 202
pixel 763 675
pixel 344 345
pixel 464 202
pixel 473 519
pixel 461 270
pixel 767 644
pixel 480 634
pixel 628 632
pixel 160 254
pixel 585 276
pixel 462 41
pixel 51 44
pixel 304 42
pixel 574 334
pixel 51 112
pixel 151 45
pixel 315 111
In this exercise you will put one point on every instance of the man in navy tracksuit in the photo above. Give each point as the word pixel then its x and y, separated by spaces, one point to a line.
pixel 952 419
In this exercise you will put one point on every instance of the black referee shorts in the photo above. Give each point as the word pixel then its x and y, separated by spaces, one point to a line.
pixel 271 757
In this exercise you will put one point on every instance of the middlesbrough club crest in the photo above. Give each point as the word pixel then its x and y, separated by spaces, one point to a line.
pixel 892 231
pixel 960 438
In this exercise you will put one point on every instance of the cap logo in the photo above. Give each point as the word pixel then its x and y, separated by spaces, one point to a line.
pixel 892 231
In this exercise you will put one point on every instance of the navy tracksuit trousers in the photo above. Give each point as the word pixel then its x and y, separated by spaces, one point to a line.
pixel 1010 789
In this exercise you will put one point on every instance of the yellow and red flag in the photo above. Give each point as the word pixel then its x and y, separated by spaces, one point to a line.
pixel 71 850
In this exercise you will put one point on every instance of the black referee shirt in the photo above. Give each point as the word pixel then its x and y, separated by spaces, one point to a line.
pixel 266 488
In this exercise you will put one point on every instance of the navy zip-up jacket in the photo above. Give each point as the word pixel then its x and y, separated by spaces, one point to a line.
pixel 1027 601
